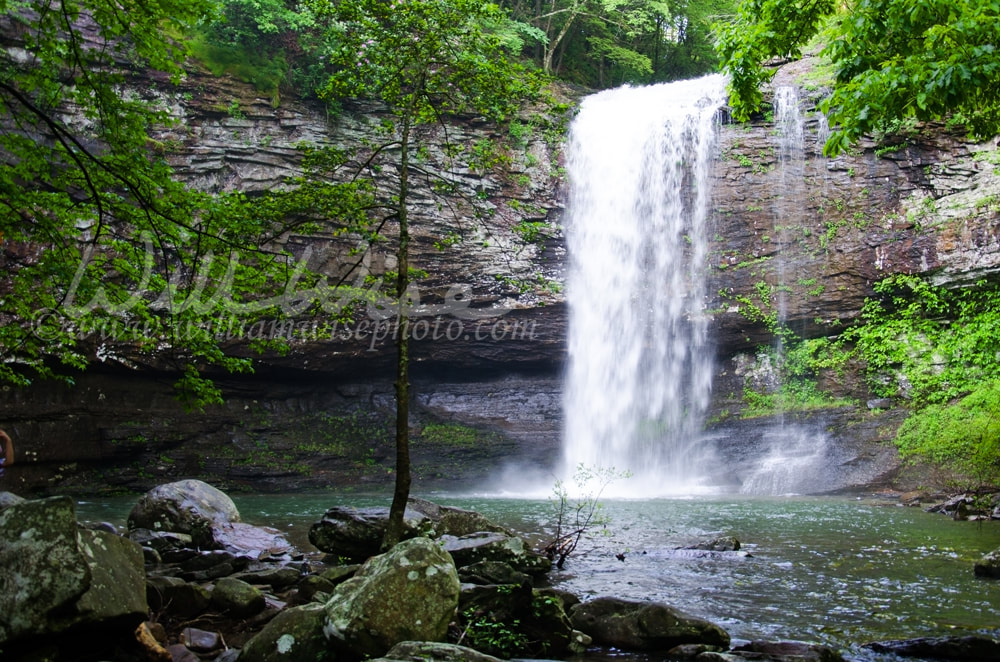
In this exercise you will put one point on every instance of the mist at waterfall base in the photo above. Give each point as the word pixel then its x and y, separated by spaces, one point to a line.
pixel 639 376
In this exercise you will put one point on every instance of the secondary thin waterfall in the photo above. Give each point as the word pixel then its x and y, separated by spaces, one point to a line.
pixel 795 452
pixel 639 376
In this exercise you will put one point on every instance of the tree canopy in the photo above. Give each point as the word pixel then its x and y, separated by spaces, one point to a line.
pixel 894 60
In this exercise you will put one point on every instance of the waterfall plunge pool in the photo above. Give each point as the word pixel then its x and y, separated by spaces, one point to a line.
pixel 837 571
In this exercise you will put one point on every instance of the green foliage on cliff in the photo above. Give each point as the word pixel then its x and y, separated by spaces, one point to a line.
pixel 940 349
pixel 107 255
pixel 931 343
pixel 894 60
pixel 794 362
pixel 964 435
pixel 597 43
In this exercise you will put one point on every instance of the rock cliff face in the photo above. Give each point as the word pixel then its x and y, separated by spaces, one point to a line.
pixel 488 357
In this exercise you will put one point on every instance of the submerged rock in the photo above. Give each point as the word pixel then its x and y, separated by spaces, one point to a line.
pixel 643 626
pixel 989 565
pixel 722 544
pixel 792 651
pixel 970 649
pixel 421 651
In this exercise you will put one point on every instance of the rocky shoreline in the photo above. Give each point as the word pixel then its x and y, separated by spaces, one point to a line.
pixel 190 582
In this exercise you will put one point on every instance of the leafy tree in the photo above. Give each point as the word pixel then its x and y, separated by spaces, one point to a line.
pixel 762 30
pixel 105 252
pixel 894 60
pixel 424 60
pixel 269 43
pixel 600 43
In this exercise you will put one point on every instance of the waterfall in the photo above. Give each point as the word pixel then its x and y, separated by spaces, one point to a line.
pixel 795 453
pixel 639 375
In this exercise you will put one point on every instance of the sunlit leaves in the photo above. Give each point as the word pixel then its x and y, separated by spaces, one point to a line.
pixel 761 30
pixel 894 60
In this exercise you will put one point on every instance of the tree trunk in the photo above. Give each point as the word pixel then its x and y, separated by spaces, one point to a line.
pixel 550 48
pixel 401 494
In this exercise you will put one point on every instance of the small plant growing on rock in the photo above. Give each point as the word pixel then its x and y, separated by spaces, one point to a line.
pixel 486 634
pixel 580 512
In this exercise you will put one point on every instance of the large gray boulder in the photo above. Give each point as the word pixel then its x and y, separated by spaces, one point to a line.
pixel 643 626
pixel 54 575
pixel 117 592
pixel 410 593
pixel 355 534
pixel 41 567
pixel 188 506
pixel 448 520
pixel 196 509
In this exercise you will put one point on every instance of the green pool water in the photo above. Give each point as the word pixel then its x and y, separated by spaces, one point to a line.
pixel 833 570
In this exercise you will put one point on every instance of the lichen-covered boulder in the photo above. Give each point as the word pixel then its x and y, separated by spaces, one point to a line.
pixel 54 575
pixel 410 593
pixel 41 568
pixel 294 635
pixel 117 592
pixel 188 506
pixel 643 626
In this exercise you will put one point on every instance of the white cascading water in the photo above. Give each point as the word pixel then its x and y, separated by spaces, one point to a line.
pixel 795 453
pixel 640 366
